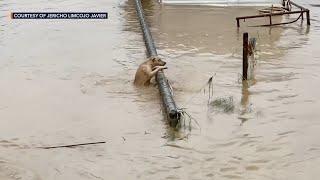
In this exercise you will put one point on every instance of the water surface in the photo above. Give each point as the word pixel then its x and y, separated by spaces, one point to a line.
pixel 67 81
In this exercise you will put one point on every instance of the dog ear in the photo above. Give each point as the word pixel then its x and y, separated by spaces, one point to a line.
pixel 154 59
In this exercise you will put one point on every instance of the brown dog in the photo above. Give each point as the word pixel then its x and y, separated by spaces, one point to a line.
pixel 147 70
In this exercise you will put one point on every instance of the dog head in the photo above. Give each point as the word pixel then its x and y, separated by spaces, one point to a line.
pixel 156 61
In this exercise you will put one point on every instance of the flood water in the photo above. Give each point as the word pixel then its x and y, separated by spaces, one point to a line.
pixel 70 81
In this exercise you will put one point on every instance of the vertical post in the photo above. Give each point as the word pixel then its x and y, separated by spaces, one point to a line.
pixel 270 20
pixel 245 57
pixel 238 23
pixel 308 17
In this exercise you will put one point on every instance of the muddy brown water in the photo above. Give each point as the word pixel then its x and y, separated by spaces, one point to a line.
pixel 67 82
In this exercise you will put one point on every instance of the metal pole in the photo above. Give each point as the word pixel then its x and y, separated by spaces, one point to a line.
pixel 173 114
pixel 151 48
pixel 308 17
pixel 245 57
pixel 297 5
pixel 270 19
pixel 273 14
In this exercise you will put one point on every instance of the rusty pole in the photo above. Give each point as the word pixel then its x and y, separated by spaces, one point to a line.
pixel 270 19
pixel 245 57
pixel 273 14
pixel 308 17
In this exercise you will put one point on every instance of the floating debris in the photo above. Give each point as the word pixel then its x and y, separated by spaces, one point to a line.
pixel 72 145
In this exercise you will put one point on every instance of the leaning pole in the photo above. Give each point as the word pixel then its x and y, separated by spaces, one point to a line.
pixel 172 112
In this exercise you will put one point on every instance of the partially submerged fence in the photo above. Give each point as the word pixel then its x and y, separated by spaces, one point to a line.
pixel 286 9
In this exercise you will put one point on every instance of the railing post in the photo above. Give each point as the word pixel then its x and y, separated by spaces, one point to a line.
pixel 245 57
pixel 238 23
pixel 270 19
pixel 308 17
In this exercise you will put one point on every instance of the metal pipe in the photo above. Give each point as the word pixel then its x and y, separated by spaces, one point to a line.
pixel 245 57
pixel 151 48
pixel 289 4
pixel 307 11
pixel 308 18
pixel 270 19
pixel 273 14
pixel 173 113
pixel 297 5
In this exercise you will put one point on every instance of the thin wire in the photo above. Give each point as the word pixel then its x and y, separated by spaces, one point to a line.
pixel 200 90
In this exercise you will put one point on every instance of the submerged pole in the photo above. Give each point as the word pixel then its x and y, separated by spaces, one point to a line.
pixel 173 114
pixel 245 57
pixel 308 17
pixel 270 19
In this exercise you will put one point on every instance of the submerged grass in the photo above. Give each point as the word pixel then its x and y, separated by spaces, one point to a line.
pixel 186 120
pixel 224 104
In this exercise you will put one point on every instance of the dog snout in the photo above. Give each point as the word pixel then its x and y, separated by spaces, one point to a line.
pixel 164 63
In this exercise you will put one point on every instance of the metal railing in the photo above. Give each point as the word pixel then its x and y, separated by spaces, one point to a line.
pixel 287 9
